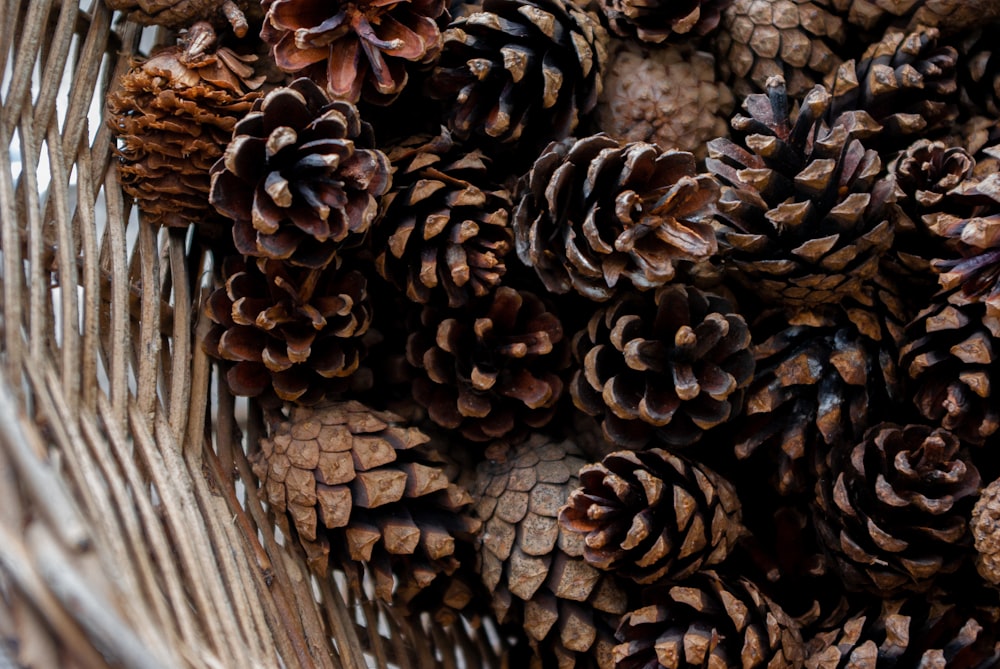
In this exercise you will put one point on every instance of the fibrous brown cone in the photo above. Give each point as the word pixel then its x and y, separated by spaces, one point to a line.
pixel 445 229
pixel 179 14
pixel 173 115
pixel 651 515
pixel 597 214
pixel 671 366
pixel 711 622
pixel 658 21
pixel 300 178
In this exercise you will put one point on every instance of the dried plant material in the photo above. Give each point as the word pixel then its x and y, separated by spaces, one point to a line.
pixel 985 528
pixel 979 74
pixel 660 20
pixel 178 14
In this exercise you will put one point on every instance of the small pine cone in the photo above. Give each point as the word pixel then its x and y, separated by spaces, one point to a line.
pixel 795 39
pixel 808 208
pixel 668 96
pixel 596 213
pixel 671 365
pixel 354 49
pixel 290 332
pixel 985 528
pixel 490 368
pixel 891 511
pixel 533 567
pixel 300 177
pixel 652 515
pixel 360 482
pixel 173 115
pixel 179 14
pixel 708 621
pixel 520 71
pixel 655 22
pixel 445 227
pixel 906 82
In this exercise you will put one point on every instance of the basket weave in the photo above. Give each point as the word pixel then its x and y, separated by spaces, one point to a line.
pixel 131 534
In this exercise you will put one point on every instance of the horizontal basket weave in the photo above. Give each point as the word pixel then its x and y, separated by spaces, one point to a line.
pixel 127 535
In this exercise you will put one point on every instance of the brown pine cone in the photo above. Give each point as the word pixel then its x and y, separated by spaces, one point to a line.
pixel 354 49
pixel 445 227
pixel 808 209
pixel 671 365
pixel 951 16
pixel 595 214
pixel 651 515
pixel 179 14
pixel 985 527
pixel 979 73
pixel 708 621
pixel 300 178
pixel 657 21
pixel 292 333
pixel 173 116
pixel 490 368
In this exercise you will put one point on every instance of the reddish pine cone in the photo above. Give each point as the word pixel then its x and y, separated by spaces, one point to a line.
pixel 656 22
pixel 354 49
pixel 651 515
pixel 300 178
pixel 292 333
pixel 491 368
pixel 892 511
pixel 672 366
pixel 985 528
pixel 596 214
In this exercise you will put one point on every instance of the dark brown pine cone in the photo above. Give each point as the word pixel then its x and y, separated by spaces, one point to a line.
pixel 979 74
pixel 892 511
pixel 808 209
pixel 445 226
pixel 300 177
pixel 290 332
pixel 651 515
pixel 520 71
pixel 491 367
pixel 985 527
pixel 362 485
pixel 173 116
pixel 179 14
pixel 596 214
pixel 708 621
pixel 354 49
pixel 671 365
pixel 660 20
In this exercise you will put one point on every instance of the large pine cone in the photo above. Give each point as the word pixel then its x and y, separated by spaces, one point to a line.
pixel 173 116
pixel 300 178
pixel 708 621
pixel 445 228
pixel 660 20
pixel 293 334
pixel 672 365
pixel 985 527
pixel 951 16
pixel 651 515
pixel 596 214
pixel 354 49
pixel 809 209
pixel 490 368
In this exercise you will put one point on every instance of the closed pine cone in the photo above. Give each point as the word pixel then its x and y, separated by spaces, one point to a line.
pixel 985 527
pixel 657 21
pixel 951 16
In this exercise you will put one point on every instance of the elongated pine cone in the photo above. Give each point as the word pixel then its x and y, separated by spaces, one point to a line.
pixel 300 178
pixel 892 511
pixel 596 214
pixel 651 515
pixel 361 484
pixel 672 365
pixel 354 49
pixel 708 621
pixel 985 528
pixel 173 116
pixel 520 71
pixel 660 20
pixel 491 367
pixel 292 334
pixel 445 229
pixel 808 209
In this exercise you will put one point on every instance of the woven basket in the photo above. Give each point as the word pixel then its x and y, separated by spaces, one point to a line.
pixel 131 534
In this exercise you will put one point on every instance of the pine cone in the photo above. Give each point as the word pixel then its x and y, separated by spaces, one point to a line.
pixel 985 527
pixel 490 368
pixel 179 14
pixel 651 516
pixel 354 49
pixel 672 366
pixel 595 212
pixel 668 97
pixel 520 71
pixel 445 227
pixel 706 621
pixel 290 332
pixel 655 22
pixel 809 209
pixel 173 115
pixel 979 73
pixel 300 178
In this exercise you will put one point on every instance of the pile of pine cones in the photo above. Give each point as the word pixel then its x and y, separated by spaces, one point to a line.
pixel 660 331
